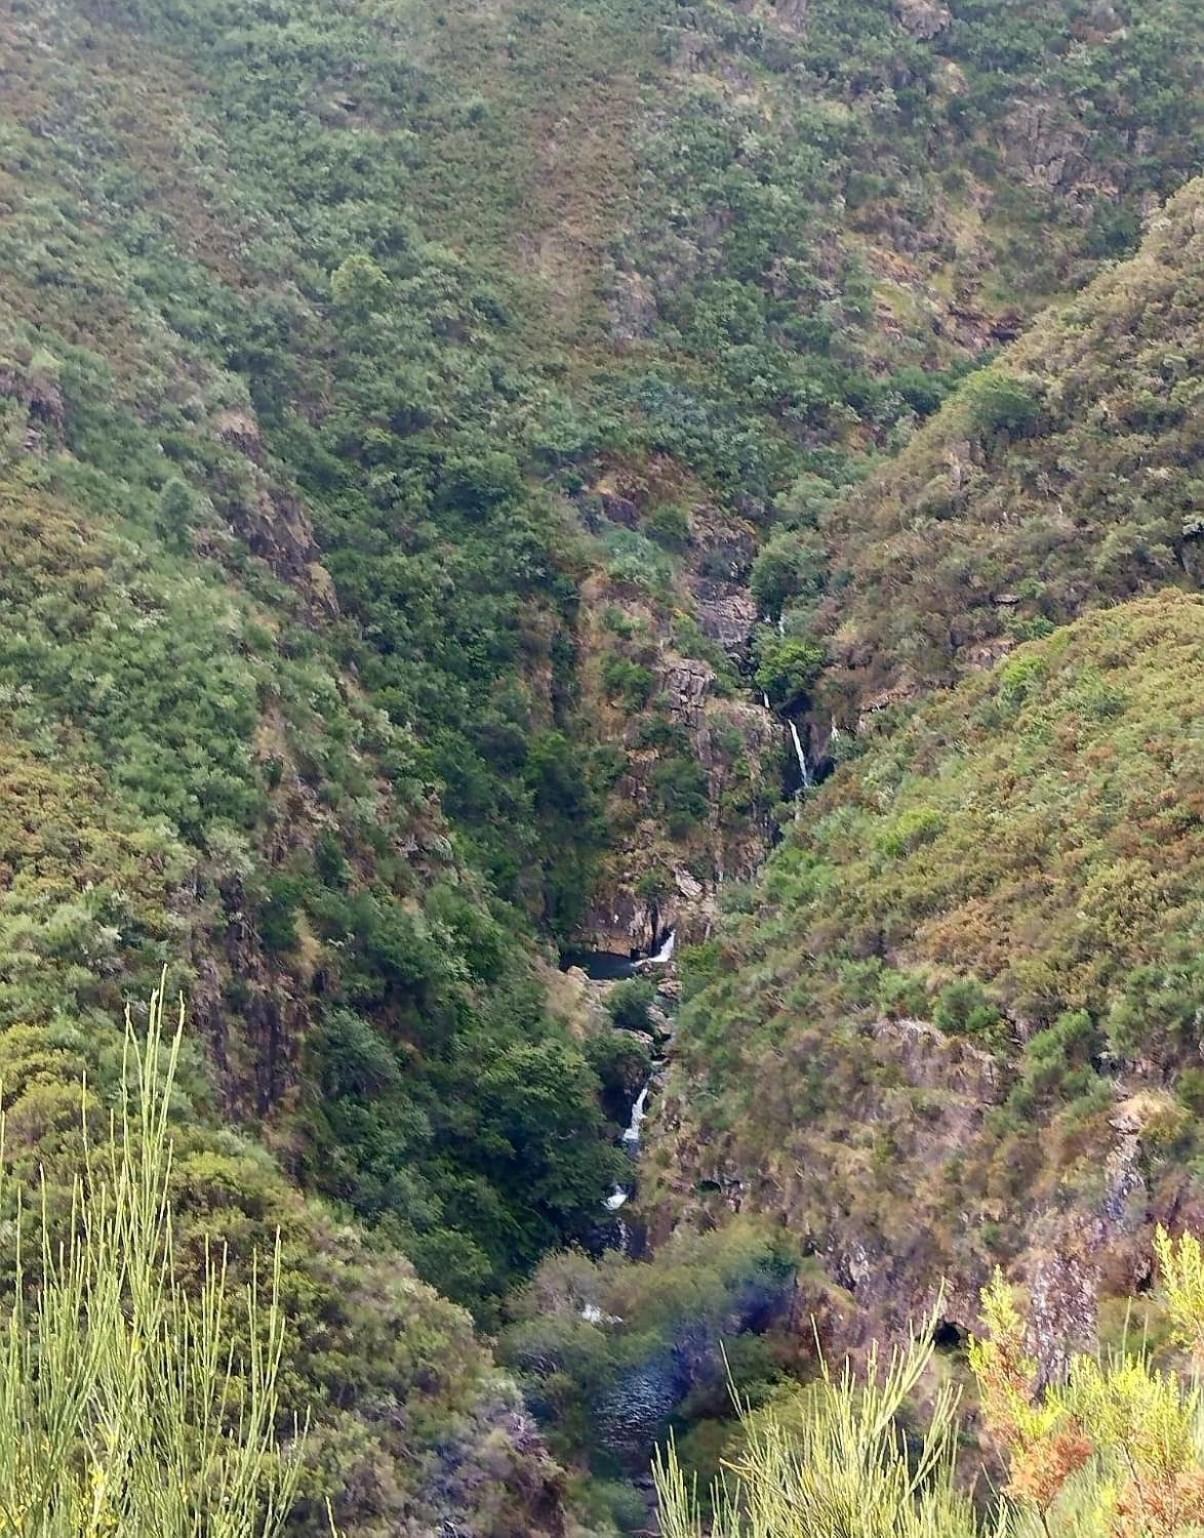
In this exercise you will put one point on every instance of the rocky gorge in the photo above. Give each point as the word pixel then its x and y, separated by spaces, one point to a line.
pixel 612 588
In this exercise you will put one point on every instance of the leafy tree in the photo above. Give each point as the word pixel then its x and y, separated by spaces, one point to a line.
pixel 359 286
pixel 787 666
pixel 786 568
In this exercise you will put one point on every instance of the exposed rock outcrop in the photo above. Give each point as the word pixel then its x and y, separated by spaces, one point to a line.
pixel 923 18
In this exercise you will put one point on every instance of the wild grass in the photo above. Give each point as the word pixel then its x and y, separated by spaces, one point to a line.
pixel 841 1468
pixel 1114 1449
pixel 125 1406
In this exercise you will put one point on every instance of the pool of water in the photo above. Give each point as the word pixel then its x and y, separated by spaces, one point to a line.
pixel 602 966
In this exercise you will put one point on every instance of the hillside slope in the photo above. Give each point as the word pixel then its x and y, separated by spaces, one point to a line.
pixel 394 399
pixel 1064 474
pixel 956 1020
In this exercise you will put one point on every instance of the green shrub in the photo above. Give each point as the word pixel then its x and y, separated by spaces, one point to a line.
pixel 963 1009
pixel 669 526
pixel 787 666
pixel 788 567
pixel 1000 402
pixel 628 1003
pixel 680 787
pixel 910 831
pixel 627 681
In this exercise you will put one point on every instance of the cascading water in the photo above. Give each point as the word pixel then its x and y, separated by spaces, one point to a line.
pixel 631 1137
pixel 665 942
pixel 621 1195
pixel 664 955
pixel 804 770
pixel 807 780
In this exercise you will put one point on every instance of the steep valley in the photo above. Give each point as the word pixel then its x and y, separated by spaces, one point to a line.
pixel 491 486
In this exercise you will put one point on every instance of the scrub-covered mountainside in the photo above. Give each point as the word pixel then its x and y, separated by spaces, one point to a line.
pixel 1065 474
pixel 957 1020
pixel 434 442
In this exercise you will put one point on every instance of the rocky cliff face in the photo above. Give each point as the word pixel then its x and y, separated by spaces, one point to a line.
pixel 675 842
pixel 886 1261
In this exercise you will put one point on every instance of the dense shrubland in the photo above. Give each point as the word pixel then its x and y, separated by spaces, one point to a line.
pixel 381 387
pixel 963 998
pixel 1061 476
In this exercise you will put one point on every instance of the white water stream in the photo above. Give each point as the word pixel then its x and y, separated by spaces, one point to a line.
pixel 804 770
pixel 664 955
pixel 631 1137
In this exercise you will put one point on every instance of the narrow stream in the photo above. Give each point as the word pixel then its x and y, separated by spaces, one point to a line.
pixel 607 968
pixel 804 768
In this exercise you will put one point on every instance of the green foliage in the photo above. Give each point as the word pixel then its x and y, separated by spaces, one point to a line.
pixel 838 1465
pixel 680 787
pixel 628 1003
pixel 622 1063
pixel 787 667
pixel 786 568
pixel 999 402
pixel 627 681
pixel 669 525
pixel 372 1358
pixel 963 1007
pixel 979 929
pixel 1114 1447
pixel 1059 478
pixel 129 1403
pixel 314 336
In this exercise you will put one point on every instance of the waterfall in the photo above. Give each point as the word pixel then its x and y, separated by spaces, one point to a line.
pixel 616 1199
pixel 592 1314
pixel 801 756
pixel 664 955
pixel 631 1138
pixel 765 699
pixel 666 951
